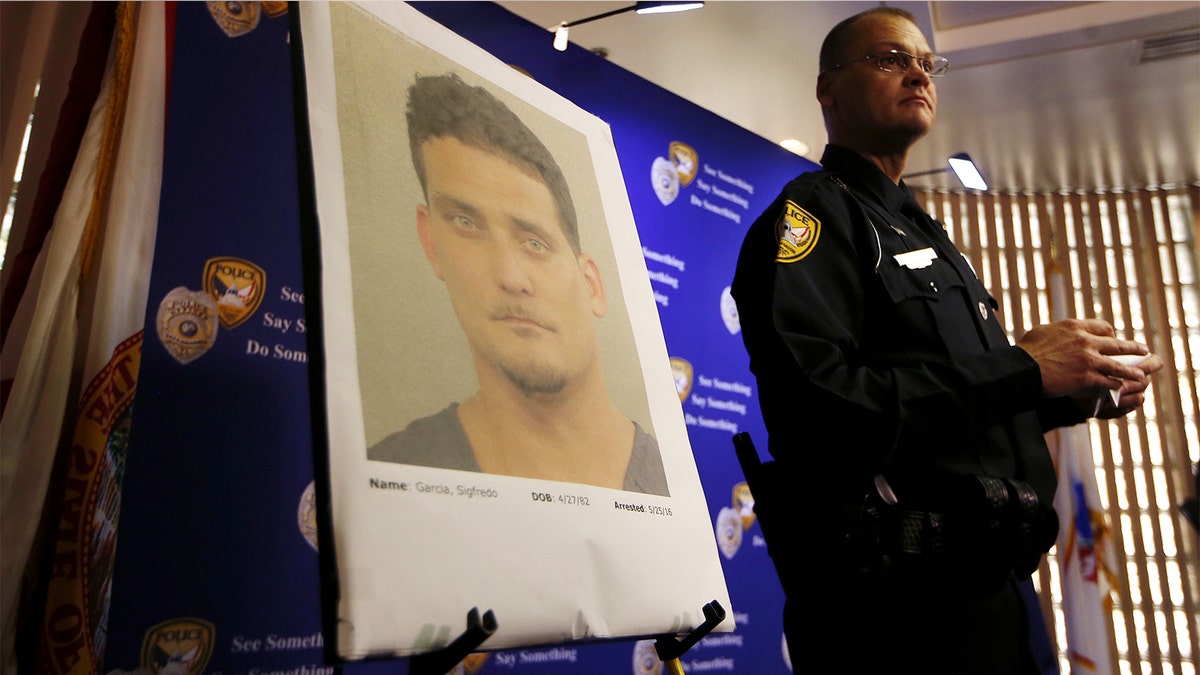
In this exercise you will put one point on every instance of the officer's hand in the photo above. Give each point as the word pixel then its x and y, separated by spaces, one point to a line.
pixel 1133 392
pixel 1073 357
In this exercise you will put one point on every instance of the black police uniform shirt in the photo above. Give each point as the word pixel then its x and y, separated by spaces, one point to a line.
pixel 876 348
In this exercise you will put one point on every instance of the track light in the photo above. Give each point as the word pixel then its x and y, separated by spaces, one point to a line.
pixel 666 7
pixel 562 31
pixel 963 168
pixel 967 172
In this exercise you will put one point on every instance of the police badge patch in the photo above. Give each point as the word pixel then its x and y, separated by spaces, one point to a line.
pixel 681 371
pixel 237 286
pixel 743 501
pixel 798 232
pixel 273 8
pixel 178 646
pixel 686 161
pixel 471 664
pixel 187 324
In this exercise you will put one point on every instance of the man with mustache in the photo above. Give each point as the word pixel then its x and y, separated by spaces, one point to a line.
pixel 499 228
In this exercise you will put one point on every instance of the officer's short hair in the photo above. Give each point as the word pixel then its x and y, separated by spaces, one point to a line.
pixel 445 106
pixel 835 44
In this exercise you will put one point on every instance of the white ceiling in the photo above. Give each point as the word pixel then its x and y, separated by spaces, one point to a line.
pixel 1043 95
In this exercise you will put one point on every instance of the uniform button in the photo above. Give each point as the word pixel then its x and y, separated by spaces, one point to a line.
pixel 933 286
pixel 983 310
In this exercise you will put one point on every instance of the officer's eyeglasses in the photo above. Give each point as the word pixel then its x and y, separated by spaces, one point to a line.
pixel 893 61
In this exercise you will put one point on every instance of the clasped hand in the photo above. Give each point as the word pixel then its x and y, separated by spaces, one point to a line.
pixel 1074 358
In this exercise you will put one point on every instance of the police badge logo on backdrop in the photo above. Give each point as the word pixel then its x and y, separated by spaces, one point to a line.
pixel 187 324
pixel 180 646
pixel 729 312
pixel 665 180
pixel 237 285
pixel 236 19
pixel 645 658
pixel 188 321
pixel 677 170
pixel 729 532
pixel 306 515
pixel 686 161
pixel 470 665
pixel 743 502
pixel 732 521
pixel 683 374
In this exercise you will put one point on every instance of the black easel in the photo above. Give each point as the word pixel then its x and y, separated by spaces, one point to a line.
pixel 670 648
pixel 443 660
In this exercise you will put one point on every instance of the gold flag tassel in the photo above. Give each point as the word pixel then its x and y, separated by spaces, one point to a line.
pixel 126 34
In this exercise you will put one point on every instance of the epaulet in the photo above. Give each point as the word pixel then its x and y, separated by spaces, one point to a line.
pixel 875 232
pixel 804 185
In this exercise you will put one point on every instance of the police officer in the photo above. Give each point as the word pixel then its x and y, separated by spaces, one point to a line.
pixel 907 429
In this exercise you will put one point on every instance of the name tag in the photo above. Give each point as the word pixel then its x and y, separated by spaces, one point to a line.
pixel 915 260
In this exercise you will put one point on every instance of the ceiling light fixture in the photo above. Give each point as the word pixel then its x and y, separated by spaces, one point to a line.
pixel 562 30
pixel 795 145
pixel 963 168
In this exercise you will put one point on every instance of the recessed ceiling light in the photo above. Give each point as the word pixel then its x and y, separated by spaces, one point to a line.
pixel 796 146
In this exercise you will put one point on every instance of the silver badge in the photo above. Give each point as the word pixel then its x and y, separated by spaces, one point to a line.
pixel 983 310
pixel 235 18
pixel 306 515
pixel 187 323
pixel 645 658
pixel 729 312
pixel 665 179
pixel 729 532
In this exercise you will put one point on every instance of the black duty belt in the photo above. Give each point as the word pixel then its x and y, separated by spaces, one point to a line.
pixel 990 530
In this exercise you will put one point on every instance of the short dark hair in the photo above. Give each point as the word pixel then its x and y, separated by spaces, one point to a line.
pixel 445 106
pixel 835 42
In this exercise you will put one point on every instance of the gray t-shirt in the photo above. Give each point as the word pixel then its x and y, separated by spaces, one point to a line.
pixel 440 441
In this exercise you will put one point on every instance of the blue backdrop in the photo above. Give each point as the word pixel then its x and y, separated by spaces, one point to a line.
pixel 216 564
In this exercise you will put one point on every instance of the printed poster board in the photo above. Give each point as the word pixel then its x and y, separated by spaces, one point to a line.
pixel 504 430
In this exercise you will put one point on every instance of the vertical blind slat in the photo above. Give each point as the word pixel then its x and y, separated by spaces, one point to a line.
pixel 1189 544
pixel 1117 452
pixel 1139 424
pixel 1176 461
pixel 1035 278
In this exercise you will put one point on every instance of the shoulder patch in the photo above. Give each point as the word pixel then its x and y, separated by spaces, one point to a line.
pixel 798 232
